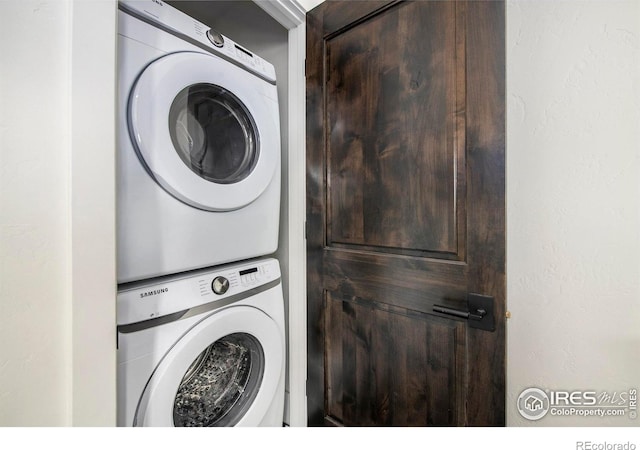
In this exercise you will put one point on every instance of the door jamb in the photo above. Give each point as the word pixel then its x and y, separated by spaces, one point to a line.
pixel 292 16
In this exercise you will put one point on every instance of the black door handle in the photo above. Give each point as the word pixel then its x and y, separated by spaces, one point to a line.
pixel 478 315
pixel 479 312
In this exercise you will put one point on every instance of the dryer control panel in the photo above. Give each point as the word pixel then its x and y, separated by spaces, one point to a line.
pixel 150 299
pixel 180 24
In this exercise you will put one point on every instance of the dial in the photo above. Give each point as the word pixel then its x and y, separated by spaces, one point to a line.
pixel 215 38
pixel 220 285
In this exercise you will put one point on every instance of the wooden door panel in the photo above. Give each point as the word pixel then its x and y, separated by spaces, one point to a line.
pixel 394 142
pixel 390 367
pixel 412 283
pixel 405 210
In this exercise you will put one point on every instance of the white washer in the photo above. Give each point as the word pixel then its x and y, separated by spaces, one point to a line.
pixel 204 349
pixel 198 166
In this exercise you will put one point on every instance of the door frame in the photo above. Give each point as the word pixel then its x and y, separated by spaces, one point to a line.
pixel 293 17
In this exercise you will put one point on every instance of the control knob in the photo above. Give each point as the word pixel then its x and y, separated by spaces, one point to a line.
pixel 215 38
pixel 220 285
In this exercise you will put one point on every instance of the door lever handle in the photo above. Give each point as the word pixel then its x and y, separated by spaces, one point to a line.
pixel 478 315
pixel 479 312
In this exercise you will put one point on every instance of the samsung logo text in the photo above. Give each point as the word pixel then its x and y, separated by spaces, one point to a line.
pixel 154 292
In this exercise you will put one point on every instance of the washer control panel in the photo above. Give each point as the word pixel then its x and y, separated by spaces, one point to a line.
pixel 255 275
pixel 140 301
pixel 237 280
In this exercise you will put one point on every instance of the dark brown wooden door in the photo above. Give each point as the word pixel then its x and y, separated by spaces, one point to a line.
pixel 405 211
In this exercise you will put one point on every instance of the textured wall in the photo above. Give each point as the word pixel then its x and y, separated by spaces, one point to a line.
pixel 573 199
pixel 35 321
pixel 57 207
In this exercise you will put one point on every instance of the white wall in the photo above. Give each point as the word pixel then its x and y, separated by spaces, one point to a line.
pixel 573 199
pixel 57 285
pixel 35 322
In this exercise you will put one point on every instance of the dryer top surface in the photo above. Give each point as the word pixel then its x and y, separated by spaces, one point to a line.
pixel 165 18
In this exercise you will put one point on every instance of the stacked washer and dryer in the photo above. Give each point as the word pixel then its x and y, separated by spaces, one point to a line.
pixel 200 313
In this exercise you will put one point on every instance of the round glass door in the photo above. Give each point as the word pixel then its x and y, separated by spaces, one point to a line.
pixel 223 371
pixel 206 131
pixel 220 384
pixel 213 133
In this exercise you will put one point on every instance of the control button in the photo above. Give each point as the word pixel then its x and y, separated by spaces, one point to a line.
pixel 215 38
pixel 220 285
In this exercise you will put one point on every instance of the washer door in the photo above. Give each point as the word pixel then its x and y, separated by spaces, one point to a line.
pixel 223 372
pixel 205 130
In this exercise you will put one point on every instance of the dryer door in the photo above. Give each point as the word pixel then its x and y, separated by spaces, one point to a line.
pixel 206 130
pixel 223 372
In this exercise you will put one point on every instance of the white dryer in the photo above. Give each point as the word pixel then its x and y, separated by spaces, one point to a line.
pixel 198 162
pixel 204 349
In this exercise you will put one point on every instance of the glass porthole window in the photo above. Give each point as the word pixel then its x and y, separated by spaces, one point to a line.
pixel 213 133
pixel 221 383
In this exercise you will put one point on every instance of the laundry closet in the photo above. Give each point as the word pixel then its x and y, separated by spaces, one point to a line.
pixel 200 309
